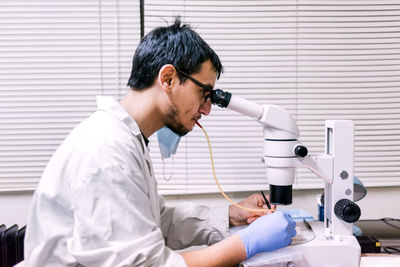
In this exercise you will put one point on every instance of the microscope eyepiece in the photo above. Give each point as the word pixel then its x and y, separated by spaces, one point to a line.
pixel 220 98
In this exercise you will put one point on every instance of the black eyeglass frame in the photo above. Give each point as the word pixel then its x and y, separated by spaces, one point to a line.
pixel 206 88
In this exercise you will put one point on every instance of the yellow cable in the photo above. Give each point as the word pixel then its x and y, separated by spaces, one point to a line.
pixel 216 180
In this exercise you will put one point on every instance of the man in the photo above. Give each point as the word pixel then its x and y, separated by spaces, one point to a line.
pixel 97 202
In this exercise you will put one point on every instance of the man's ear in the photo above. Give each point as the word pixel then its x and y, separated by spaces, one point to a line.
pixel 167 77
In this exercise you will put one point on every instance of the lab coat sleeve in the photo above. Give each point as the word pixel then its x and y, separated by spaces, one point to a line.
pixel 113 223
pixel 188 224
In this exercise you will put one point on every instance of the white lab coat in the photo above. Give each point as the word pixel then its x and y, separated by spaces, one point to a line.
pixel 97 202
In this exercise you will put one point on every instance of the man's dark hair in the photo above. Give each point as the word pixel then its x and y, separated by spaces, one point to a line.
pixel 177 45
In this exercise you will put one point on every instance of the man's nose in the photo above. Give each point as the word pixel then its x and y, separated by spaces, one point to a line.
pixel 205 108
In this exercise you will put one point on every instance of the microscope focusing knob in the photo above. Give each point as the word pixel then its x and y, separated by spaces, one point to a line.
pixel 347 210
pixel 300 151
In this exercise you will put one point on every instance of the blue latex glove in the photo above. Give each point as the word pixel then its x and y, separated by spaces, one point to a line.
pixel 268 233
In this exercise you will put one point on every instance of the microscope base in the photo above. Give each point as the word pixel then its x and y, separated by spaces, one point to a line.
pixel 342 251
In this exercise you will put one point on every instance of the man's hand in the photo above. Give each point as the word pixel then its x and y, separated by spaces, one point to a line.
pixel 238 216
pixel 268 233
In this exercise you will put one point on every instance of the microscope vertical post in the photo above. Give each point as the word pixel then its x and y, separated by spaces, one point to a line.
pixel 339 143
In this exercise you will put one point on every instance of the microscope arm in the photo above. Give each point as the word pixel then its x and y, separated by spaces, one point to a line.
pixel 320 164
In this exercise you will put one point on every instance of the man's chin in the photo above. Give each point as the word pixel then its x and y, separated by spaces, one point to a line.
pixel 179 130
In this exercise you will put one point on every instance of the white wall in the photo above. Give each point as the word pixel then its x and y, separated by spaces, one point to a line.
pixel 379 203
pixel 14 207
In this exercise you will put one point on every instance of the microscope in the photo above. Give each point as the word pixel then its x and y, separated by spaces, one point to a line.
pixel 335 244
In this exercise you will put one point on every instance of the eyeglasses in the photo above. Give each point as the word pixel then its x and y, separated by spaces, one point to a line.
pixel 207 90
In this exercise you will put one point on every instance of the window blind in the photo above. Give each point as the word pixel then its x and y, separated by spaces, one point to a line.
pixel 320 60
pixel 55 57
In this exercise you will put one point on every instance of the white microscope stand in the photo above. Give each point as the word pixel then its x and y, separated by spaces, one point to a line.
pixel 334 244
pixel 335 167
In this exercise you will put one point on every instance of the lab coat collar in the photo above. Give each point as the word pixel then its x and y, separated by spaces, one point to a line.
pixel 110 105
